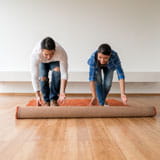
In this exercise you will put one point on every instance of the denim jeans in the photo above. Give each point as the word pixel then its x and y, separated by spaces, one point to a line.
pixel 49 89
pixel 103 83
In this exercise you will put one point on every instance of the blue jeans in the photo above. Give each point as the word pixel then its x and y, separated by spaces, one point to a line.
pixel 50 91
pixel 103 84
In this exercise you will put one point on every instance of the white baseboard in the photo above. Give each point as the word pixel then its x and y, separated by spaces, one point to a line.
pixel 136 82
pixel 25 76
pixel 83 87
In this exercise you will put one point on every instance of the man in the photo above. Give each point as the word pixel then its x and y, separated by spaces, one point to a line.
pixel 47 56
pixel 104 60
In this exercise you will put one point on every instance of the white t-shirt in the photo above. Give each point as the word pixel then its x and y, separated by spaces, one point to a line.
pixel 37 58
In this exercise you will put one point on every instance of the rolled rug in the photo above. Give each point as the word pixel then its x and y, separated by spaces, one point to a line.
pixel 84 112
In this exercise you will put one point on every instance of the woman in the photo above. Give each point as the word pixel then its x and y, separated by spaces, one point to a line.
pixel 102 65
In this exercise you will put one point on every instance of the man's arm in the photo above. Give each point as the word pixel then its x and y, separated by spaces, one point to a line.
pixel 35 76
pixel 62 90
pixel 64 74
pixel 63 85
pixel 38 98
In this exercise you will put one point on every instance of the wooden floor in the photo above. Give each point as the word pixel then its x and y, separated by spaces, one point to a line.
pixel 79 139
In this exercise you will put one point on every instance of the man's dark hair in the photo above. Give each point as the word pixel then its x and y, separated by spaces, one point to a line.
pixel 48 43
pixel 104 49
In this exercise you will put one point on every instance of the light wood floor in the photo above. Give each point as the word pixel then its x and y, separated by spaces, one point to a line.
pixel 79 139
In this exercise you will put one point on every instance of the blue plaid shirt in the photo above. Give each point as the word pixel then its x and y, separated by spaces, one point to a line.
pixel 113 64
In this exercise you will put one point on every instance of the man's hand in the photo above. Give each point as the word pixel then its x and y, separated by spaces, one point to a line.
pixel 38 101
pixel 61 98
pixel 93 101
pixel 124 99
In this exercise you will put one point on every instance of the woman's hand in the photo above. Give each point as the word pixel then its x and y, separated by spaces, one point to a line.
pixel 124 99
pixel 93 101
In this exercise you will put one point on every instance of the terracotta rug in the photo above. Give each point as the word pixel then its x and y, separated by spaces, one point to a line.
pixel 80 102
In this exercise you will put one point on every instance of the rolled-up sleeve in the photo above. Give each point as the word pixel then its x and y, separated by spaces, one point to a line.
pixel 92 76
pixel 118 66
pixel 120 72
pixel 92 68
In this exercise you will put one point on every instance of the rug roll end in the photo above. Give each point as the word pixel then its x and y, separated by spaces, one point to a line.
pixel 155 111
pixel 17 109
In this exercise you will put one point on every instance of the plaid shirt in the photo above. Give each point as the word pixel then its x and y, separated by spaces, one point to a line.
pixel 113 64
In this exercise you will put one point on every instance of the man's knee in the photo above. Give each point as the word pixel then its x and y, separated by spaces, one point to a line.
pixel 43 78
pixel 56 69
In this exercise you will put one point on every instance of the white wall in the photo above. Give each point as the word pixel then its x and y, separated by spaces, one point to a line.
pixel 132 27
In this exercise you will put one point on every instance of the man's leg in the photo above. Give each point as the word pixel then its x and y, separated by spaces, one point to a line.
pixel 55 82
pixel 44 81
pixel 107 83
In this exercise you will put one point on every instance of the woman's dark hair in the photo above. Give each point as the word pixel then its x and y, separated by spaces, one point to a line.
pixel 104 49
pixel 48 43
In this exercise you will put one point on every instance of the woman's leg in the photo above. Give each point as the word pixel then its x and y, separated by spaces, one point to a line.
pixel 107 83
pixel 99 87
pixel 44 81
